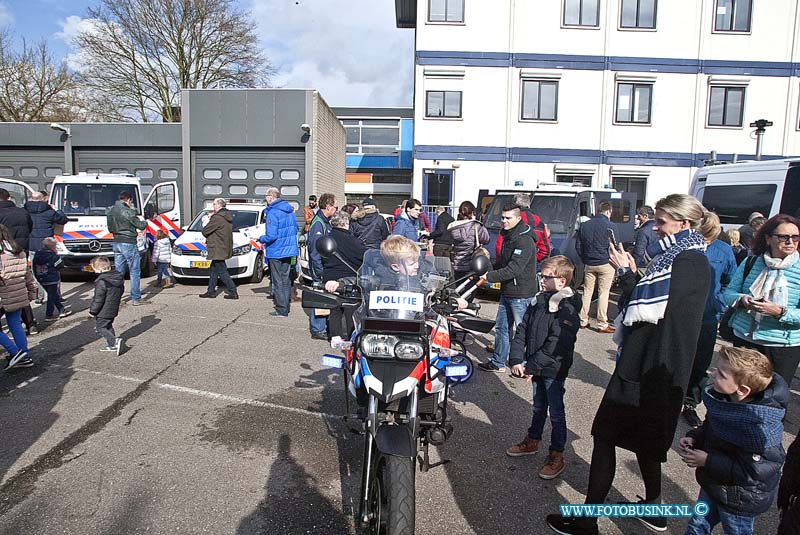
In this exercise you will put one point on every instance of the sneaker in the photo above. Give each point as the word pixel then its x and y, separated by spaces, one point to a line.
pixel 27 362
pixel 65 313
pixel 231 296
pixel 653 523
pixel 690 415
pixel 319 336
pixel 109 349
pixel 572 526
pixel 32 330
pixel 51 318
pixel 554 465
pixel 207 296
pixel 119 346
pixel 16 359
pixel 138 303
pixel 490 367
pixel 529 446
pixel 277 314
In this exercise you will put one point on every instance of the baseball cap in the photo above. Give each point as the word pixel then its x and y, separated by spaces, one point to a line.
pixel 368 202
pixel 754 215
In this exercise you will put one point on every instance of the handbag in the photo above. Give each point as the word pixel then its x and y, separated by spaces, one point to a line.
pixel 479 250
pixel 725 330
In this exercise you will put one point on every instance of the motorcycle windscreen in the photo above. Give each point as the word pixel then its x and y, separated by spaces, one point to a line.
pixel 395 287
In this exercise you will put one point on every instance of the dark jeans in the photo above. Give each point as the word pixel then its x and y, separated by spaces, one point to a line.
pixel 548 394
pixel 220 271
pixel 732 524
pixel 338 315
pixel 105 328
pixel 279 269
pixel 784 359
pixel 53 299
pixel 702 360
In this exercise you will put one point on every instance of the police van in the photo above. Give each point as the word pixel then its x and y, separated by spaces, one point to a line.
pixel 189 254
pixel 85 199
pixel 734 191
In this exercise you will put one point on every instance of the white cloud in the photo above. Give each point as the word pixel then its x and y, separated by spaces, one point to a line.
pixel 350 50
pixel 6 16
pixel 70 28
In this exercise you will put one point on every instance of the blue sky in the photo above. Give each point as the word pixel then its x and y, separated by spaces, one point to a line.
pixel 358 60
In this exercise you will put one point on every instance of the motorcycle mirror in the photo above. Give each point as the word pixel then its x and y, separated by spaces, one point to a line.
pixel 479 265
pixel 326 246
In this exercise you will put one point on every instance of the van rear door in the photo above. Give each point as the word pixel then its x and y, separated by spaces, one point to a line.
pixel 20 191
pixel 162 210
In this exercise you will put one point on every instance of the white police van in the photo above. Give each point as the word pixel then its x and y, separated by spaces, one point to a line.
pixel 189 261
pixel 734 191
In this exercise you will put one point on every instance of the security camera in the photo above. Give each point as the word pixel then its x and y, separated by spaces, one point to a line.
pixel 305 128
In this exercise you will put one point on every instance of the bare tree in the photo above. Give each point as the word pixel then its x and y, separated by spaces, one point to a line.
pixel 139 54
pixel 33 87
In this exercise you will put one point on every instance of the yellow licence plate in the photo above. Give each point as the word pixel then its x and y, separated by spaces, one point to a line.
pixel 204 264
pixel 88 268
pixel 495 286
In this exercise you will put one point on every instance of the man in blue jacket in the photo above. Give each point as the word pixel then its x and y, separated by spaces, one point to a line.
pixel 407 223
pixel 592 247
pixel 280 238
pixel 320 226
pixel 645 235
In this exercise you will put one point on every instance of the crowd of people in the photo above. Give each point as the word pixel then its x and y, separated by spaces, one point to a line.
pixel 680 282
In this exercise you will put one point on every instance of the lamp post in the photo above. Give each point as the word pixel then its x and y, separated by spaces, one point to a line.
pixel 66 138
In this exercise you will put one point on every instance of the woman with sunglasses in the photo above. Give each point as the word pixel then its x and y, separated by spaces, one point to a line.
pixel 767 301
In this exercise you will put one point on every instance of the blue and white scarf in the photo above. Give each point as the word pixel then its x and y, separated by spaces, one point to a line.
pixel 648 300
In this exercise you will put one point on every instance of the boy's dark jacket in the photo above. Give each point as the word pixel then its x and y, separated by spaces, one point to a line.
pixel 45 267
pixel 745 453
pixel 545 340
pixel 108 289
pixel 515 268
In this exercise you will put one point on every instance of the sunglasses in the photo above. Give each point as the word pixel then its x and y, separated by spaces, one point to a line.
pixel 787 238
pixel 549 277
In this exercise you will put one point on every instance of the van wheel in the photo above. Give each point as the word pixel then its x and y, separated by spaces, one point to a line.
pixel 258 270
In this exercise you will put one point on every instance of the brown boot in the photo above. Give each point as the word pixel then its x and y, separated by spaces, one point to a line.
pixel 529 446
pixel 554 466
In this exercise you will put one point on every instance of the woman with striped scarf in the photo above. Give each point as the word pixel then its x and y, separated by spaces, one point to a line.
pixel 657 333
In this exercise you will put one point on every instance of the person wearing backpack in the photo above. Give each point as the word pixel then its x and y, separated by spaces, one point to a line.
pixel 541 236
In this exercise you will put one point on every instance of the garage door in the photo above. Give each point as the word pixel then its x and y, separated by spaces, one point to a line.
pixel 152 166
pixel 246 175
pixel 37 167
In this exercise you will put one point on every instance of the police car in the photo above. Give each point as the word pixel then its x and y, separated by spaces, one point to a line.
pixel 189 253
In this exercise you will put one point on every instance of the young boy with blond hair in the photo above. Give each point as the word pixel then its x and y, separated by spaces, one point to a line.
pixel 542 352
pixel 737 451
pixel 108 288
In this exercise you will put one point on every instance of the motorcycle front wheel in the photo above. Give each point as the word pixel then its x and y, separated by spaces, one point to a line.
pixel 392 497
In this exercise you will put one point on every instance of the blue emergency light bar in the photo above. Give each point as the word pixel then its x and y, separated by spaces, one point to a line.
pixel 332 361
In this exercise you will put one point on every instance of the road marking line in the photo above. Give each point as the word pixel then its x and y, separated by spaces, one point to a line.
pixel 212 395
pixel 24 384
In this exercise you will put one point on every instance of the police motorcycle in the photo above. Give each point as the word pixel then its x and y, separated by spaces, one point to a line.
pixel 399 365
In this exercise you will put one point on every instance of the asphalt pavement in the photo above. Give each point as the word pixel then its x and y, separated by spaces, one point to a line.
pixel 219 418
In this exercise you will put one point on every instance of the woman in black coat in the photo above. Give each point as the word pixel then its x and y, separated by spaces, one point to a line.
pixel 657 333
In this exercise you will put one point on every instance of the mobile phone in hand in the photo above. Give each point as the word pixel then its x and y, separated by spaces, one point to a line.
pixel 611 238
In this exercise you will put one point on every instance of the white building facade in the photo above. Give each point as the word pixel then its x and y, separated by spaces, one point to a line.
pixel 630 94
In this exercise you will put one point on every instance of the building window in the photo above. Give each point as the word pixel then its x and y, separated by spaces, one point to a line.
pixel 539 100
pixel 6 172
pixel 372 136
pixel 581 13
pixel 638 14
pixel 290 190
pixel 445 10
pixel 146 174
pixel 214 189
pixel 633 103
pixel 290 174
pixel 732 15
pixel 52 172
pixel 443 104
pixel 237 174
pixel 726 106
pixel 29 172
pixel 583 180
pixel 632 185
pixel 212 174
pixel 237 190
pixel 264 174
pixel 168 174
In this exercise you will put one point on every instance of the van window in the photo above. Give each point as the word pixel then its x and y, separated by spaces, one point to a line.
pixel 790 200
pixel 733 204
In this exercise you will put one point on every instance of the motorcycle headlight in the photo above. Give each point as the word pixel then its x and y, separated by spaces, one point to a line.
pixel 177 251
pixel 409 350
pixel 378 345
pixel 242 249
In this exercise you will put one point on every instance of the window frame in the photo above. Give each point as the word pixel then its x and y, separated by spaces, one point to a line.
pixel 654 27
pixel 444 105
pixel 732 30
pixel 727 88
pixel 363 123
pixel 633 105
pixel 445 21
pixel 538 119
pixel 580 15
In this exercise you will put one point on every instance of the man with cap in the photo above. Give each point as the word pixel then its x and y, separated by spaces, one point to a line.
pixel 747 231
pixel 310 210
pixel 368 225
